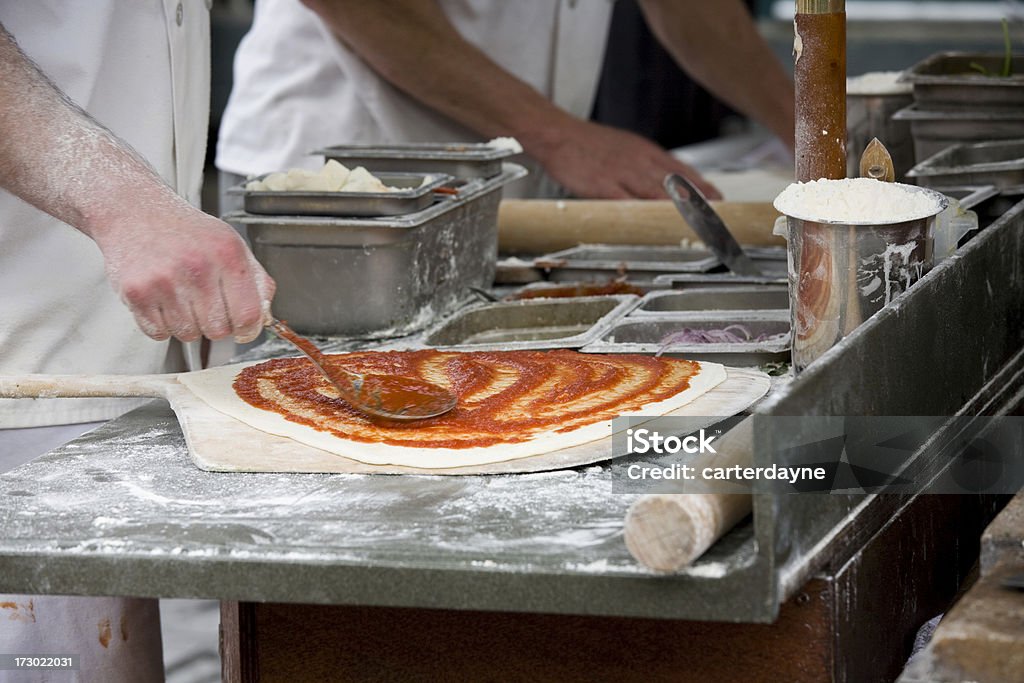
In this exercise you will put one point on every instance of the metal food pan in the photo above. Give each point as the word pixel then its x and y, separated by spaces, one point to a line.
pixel 935 130
pixel 707 280
pixel 516 271
pixel 636 334
pixel 461 160
pixel 969 196
pixel 416 194
pixel 639 263
pixel 999 163
pixel 766 253
pixel 948 80
pixel 869 117
pixel 770 260
pixel 984 200
pixel 373 278
pixel 748 298
pixel 531 324
pixel 565 290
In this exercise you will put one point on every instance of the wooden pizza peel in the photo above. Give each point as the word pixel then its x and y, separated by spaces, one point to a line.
pixel 219 443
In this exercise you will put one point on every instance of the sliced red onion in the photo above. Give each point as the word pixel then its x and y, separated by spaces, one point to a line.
pixel 733 334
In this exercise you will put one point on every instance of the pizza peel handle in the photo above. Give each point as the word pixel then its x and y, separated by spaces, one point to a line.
pixel 86 386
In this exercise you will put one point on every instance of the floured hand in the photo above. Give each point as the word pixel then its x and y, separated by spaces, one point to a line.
pixel 182 273
pixel 186 274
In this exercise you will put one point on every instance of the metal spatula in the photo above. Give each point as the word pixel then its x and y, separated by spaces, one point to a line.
pixel 708 226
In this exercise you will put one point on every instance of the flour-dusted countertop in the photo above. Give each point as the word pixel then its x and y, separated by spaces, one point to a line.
pixel 123 511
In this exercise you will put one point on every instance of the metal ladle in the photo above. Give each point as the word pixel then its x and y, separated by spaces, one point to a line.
pixel 385 396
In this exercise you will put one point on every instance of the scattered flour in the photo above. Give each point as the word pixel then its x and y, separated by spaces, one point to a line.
pixel 878 83
pixel 857 201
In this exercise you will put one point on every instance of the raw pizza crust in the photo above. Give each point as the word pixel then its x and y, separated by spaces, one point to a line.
pixel 215 387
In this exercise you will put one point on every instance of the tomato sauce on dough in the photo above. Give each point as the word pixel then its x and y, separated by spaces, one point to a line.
pixel 503 396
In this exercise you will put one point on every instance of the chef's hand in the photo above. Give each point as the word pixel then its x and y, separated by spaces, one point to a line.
pixel 600 162
pixel 186 275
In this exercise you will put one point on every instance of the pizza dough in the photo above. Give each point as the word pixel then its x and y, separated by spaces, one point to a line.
pixel 216 388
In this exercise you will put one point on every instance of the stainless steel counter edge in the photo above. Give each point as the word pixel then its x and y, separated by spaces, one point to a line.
pixel 507 590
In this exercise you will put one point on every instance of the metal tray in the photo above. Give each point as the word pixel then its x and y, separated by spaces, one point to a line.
pixel 644 334
pixel 947 80
pixel 565 290
pixel 372 278
pixel 640 263
pixel 706 280
pixel 869 117
pixel 417 194
pixel 998 163
pixel 771 260
pixel 766 253
pixel 462 160
pixel 985 200
pixel 969 196
pixel 516 271
pixel 747 298
pixel 531 324
pixel 935 130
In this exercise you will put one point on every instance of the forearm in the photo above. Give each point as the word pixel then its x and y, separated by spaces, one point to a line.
pixel 181 273
pixel 57 158
pixel 413 46
pixel 719 46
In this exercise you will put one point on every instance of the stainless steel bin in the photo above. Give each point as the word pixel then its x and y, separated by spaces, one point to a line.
pixel 373 278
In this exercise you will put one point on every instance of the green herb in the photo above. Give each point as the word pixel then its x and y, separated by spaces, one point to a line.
pixel 1007 50
pixel 1007 69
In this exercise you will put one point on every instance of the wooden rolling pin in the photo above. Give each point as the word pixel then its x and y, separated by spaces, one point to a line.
pixel 540 226
pixel 666 532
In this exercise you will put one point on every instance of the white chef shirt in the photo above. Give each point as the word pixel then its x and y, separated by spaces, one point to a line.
pixel 297 88
pixel 142 69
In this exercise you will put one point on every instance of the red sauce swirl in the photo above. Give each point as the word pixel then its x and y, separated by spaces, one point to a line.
pixel 503 396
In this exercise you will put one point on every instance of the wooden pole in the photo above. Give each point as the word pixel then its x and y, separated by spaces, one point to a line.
pixel 819 51
pixel 819 72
